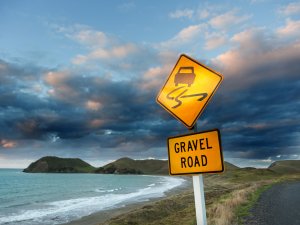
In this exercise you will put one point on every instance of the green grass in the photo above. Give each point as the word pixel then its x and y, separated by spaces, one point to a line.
pixel 244 209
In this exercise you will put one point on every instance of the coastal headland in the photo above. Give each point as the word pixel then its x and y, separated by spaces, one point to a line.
pixel 227 194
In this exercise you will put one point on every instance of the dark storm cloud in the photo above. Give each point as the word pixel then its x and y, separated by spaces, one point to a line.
pixel 92 109
pixel 258 104
pixel 256 107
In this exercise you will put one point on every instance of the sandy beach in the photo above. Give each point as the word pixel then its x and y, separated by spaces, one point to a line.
pixel 102 217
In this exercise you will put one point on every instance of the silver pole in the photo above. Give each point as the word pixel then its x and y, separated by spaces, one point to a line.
pixel 199 195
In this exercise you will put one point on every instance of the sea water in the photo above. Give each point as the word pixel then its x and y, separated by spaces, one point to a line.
pixel 48 198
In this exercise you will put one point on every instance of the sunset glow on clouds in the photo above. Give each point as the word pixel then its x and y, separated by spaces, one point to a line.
pixel 83 81
pixel 8 143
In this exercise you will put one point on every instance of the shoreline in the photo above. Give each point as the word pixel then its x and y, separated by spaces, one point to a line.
pixel 101 217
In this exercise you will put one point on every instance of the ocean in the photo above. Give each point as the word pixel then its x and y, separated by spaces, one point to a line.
pixel 48 198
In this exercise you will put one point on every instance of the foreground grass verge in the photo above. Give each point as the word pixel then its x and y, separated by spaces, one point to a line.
pixel 243 209
pixel 224 211
pixel 232 208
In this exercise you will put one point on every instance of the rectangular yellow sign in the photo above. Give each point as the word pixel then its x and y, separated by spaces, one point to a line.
pixel 195 153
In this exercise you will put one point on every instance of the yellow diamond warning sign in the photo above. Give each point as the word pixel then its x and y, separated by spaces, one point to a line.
pixel 188 89
pixel 195 153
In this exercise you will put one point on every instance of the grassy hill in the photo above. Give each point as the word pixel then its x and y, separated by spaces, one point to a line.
pixel 286 166
pixel 131 166
pixel 52 164
pixel 149 166
pixel 230 167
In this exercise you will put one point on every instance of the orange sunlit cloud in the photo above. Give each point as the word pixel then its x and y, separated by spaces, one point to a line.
pixel 93 105
pixel 8 143
pixel 96 123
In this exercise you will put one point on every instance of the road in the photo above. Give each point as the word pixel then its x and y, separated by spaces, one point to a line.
pixel 280 205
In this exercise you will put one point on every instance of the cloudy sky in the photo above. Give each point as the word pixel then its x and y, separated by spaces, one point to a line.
pixel 80 78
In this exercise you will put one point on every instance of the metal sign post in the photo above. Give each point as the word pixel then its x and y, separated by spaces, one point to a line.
pixel 185 94
pixel 199 199
pixel 199 194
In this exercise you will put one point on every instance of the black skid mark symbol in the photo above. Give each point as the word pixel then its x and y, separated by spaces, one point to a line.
pixel 178 96
pixel 177 99
pixel 176 89
pixel 203 96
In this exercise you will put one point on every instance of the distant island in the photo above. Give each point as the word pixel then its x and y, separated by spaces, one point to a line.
pixel 52 164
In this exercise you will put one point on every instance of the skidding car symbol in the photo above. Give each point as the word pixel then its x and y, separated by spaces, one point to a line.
pixel 185 75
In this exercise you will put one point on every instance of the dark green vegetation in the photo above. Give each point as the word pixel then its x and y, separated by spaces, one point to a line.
pixel 51 164
pixel 130 166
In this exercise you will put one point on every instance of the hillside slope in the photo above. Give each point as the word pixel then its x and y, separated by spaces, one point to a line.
pixel 286 166
pixel 230 167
